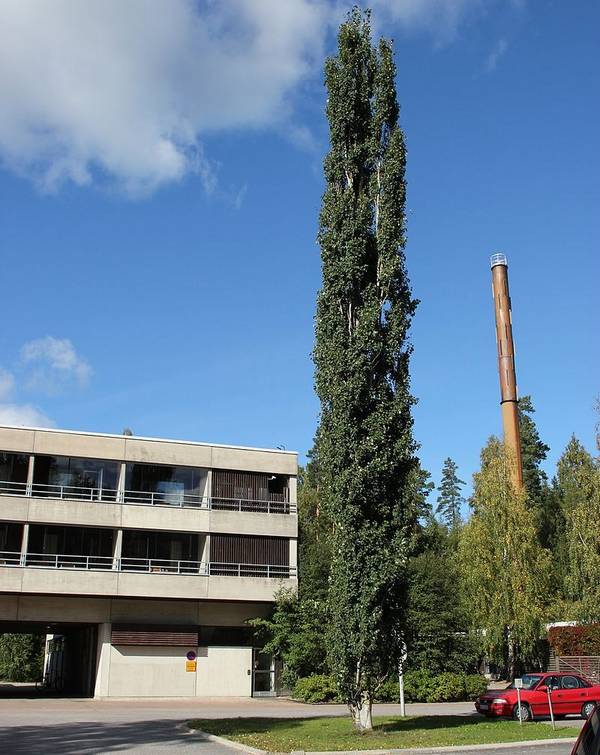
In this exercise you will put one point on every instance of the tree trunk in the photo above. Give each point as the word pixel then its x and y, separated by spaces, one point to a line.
pixel 362 713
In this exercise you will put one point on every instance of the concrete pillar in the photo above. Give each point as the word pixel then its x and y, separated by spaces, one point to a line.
pixel 30 470
pixel 208 489
pixel 205 557
pixel 121 483
pixel 101 688
pixel 24 544
pixel 293 558
pixel 117 548
pixel 293 494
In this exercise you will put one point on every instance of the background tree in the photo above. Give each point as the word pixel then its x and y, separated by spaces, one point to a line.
pixel 450 500
pixel 21 657
pixel 578 482
pixel 437 623
pixel 365 445
pixel 504 569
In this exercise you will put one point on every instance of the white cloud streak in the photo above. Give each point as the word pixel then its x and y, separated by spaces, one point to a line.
pixel 7 384
pixel 121 93
pixel 23 415
pixel 56 365
pixel 498 51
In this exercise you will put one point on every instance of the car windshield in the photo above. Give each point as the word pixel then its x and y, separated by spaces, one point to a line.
pixel 529 681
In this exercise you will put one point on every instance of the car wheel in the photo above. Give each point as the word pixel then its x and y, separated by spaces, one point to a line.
pixel 587 709
pixel 525 712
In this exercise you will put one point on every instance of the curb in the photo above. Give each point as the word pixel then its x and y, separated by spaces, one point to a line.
pixel 412 751
pixel 451 748
pixel 205 736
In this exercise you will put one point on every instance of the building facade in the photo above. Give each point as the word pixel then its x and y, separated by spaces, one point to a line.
pixel 143 559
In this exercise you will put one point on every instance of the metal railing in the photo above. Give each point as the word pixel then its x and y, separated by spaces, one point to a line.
pixel 145 498
pixel 144 565
pixel 162 566
pixel 251 570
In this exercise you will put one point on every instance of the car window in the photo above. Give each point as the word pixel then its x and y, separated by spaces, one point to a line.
pixel 529 681
pixel 570 682
pixel 589 739
pixel 553 682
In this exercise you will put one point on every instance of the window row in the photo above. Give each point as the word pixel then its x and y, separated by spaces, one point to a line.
pixel 73 477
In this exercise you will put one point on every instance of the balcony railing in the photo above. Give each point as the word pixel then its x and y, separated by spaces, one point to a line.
pixel 145 498
pixel 144 565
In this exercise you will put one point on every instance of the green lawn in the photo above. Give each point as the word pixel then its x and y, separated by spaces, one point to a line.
pixel 335 733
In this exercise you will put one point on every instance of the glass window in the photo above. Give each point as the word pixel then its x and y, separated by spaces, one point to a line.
pixel 13 469
pixel 171 486
pixel 10 537
pixel 69 477
pixel 570 682
pixel 529 681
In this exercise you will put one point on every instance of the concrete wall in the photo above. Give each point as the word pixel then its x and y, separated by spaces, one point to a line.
pixel 223 672
pixel 150 450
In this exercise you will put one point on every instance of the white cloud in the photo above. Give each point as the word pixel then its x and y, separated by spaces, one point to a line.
pixel 498 51
pixel 7 383
pixel 23 414
pixel 122 92
pixel 55 363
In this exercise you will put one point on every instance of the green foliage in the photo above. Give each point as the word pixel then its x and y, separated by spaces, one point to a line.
pixel 575 640
pixel 579 489
pixel 437 623
pixel 317 688
pixel 365 447
pixel 504 569
pixel 294 633
pixel 21 657
pixel 421 686
pixel 450 500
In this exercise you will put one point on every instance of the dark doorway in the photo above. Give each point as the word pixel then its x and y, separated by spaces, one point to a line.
pixel 68 664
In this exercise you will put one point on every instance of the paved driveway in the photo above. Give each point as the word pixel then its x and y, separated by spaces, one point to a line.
pixel 85 727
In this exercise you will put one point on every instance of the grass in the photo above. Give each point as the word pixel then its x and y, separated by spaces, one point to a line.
pixel 335 733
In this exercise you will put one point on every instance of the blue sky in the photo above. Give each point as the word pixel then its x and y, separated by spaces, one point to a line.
pixel 159 190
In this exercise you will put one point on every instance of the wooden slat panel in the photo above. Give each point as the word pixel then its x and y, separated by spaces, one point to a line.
pixel 170 637
pixel 250 549
pixel 249 486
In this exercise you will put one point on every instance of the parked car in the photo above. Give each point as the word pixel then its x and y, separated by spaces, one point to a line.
pixel 570 693
pixel 588 741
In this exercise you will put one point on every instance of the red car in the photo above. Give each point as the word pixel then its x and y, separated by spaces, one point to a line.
pixel 570 693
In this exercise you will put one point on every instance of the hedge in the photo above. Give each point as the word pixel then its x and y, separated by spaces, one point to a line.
pixel 578 640
pixel 419 687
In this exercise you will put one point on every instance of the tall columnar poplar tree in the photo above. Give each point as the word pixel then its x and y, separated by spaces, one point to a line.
pixel 450 498
pixel 367 464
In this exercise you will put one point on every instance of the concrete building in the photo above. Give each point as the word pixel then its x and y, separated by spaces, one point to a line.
pixel 143 559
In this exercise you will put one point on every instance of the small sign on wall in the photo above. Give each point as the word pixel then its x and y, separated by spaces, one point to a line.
pixel 190 666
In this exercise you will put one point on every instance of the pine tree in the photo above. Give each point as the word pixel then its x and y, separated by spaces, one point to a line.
pixel 366 451
pixel 450 500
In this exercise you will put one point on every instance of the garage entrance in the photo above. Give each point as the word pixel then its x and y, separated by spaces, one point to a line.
pixel 67 667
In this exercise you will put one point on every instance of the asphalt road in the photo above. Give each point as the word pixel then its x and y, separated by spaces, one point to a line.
pixel 52 726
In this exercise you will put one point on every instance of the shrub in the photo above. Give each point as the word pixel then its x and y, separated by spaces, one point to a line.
pixel 317 688
pixel 418 685
pixel 578 640
pixel 447 687
pixel 475 685
pixel 389 692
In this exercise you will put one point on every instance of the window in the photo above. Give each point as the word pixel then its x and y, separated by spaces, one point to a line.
pixel 169 486
pixel 570 682
pixel 68 477
pixel 13 468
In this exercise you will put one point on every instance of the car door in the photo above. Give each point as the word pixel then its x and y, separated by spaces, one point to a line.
pixel 538 698
pixel 570 696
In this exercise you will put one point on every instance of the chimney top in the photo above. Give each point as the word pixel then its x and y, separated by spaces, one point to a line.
pixel 498 259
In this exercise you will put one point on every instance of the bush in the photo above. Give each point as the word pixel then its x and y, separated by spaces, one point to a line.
pixel 578 640
pixel 317 688
pixel 422 686
pixel 389 692
pixel 475 685
pixel 418 685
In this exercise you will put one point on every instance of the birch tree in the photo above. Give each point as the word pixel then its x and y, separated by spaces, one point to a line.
pixel 505 571
pixel 367 466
